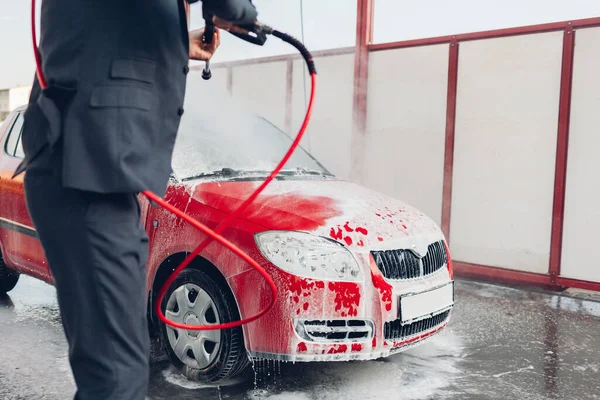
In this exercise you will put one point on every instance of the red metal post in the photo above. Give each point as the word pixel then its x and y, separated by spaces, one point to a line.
pixel 364 33
pixel 450 129
pixel 562 147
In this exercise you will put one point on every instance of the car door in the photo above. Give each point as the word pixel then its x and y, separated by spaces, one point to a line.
pixel 21 248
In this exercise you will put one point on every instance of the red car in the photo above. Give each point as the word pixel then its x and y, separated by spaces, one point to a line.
pixel 360 275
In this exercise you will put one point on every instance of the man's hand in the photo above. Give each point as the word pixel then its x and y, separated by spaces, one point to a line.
pixel 228 26
pixel 203 51
pixel 221 23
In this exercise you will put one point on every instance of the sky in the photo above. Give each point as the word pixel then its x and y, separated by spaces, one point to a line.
pixel 323 27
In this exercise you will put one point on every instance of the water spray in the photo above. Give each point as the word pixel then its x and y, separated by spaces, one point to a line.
pixel 255 33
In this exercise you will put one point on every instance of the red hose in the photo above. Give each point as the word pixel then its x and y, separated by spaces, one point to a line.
pixel 213 234
pixel 216 233
pixel 36 51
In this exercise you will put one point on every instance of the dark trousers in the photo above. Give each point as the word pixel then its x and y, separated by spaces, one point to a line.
pixel 96 249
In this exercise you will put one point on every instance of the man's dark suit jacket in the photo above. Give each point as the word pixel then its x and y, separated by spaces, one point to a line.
pixel 116 73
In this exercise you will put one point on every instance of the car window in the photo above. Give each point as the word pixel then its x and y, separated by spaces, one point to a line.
pixel 222 135
pixel 14 135
pixel 19 151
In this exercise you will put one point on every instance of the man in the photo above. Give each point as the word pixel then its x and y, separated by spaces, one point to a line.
pixel 102 132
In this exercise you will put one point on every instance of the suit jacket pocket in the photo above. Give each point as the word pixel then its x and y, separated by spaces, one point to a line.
pixel 128 117
pixel 137 69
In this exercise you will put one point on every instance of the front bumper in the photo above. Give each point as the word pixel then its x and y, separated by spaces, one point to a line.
pixel 371 349
pixel 368 314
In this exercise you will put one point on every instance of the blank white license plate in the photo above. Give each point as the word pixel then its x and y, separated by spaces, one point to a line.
pixel 421 305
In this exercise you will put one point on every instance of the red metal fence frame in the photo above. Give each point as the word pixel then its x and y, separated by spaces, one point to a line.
pixel 552 279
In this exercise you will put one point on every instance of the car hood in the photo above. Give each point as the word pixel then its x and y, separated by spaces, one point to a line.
pixel 340 210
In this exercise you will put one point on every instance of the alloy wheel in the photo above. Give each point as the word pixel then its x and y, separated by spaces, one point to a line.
pixel 190 304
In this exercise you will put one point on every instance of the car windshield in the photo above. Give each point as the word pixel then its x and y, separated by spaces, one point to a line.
pixel 225 141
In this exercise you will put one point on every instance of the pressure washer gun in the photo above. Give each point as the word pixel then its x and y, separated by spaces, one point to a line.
pixel 255 33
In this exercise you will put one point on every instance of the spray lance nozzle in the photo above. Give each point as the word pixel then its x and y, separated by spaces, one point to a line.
pixel 207 37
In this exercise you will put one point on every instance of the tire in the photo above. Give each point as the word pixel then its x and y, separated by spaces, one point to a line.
pixel 8 277
pixel 224 353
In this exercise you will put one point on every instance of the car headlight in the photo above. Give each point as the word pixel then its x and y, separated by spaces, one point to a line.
pixel 309 256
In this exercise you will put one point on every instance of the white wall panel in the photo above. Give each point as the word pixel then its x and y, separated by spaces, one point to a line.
pixel 261 88
pixel 582 214
pixel 505 150
pixel 19 96
pixel 300 96
pixel 329 133
pixel 406 123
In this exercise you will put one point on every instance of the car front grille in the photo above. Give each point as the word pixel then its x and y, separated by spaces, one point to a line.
pixel 404 264
pixel 334 330
pixel 394 330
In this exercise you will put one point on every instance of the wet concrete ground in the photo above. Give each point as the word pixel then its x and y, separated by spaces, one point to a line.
pixel 502 343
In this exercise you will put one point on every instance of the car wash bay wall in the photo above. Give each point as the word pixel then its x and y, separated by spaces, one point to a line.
pixel 278 88
pixel 492 134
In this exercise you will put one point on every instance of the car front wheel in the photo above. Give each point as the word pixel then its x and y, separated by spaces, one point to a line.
pixel 8 277
pixel 206 356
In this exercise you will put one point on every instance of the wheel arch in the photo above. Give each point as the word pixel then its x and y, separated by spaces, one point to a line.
pixel 167 267
pixel 9 264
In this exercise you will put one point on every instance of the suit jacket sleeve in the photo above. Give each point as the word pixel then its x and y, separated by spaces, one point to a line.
pixel 240 12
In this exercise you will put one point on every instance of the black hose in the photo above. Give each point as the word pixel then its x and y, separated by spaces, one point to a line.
pixel 298 45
